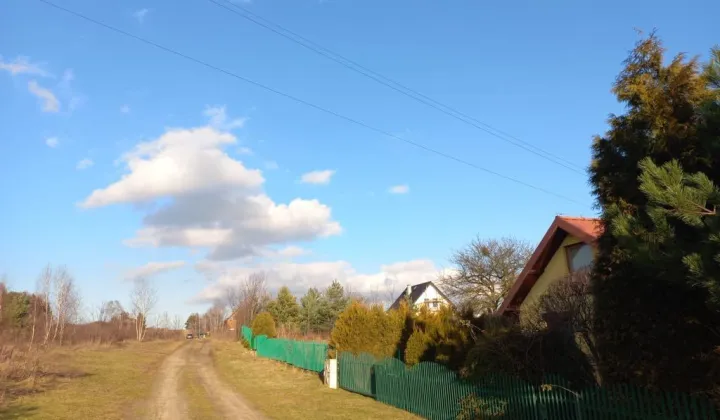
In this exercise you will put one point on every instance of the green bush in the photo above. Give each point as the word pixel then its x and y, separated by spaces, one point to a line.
pixel 440 337
pixel 417 336
pixel 264 324
pixel 360 328
pixel 417 345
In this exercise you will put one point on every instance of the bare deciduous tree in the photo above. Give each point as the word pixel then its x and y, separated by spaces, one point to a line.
pixel 248 298
pixel 143 299
pixel 567 303
pixel 45 282
pixel 486 270
pixel 163 321
pixel 66 302
pixel 215 316
pixel 177 323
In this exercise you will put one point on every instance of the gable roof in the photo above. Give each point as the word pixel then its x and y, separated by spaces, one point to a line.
pixel 586 229
pixel 415 292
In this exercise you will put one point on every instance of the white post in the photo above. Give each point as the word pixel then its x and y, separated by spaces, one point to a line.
pixel 331 373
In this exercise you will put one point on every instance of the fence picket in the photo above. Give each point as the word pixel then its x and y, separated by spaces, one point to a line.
pixel 434 392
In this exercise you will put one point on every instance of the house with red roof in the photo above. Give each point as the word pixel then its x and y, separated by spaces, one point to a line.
pixel 569 245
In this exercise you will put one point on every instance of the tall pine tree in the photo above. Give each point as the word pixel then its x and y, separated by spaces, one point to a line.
pixel 284 308
pixel 334 301
pixel 310 306
pixel 653 325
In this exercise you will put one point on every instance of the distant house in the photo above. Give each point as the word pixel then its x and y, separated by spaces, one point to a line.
pixel 569 245
pixel 424 294
pixel 230 322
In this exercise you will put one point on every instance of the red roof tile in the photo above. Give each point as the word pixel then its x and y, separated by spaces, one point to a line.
pixel 591 226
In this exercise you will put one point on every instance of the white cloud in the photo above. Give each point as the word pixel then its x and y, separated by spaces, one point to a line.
pixel 244 151
pixel 399 189
pixel 125 109
pixel 292 251
pixel 204 198
pixel 389 281
pixel 84 164
pixel 178 163
pixel 52 142
pixel 140 15
pixel 152 268
pixel 22 65
pixel 317 177
pixel 49 101
pixel 219 119
pixel 235 227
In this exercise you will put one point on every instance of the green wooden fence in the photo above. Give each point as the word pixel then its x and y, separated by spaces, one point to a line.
pixel 355 373
pixel 434 392
pixel 303 354
pixel 247 335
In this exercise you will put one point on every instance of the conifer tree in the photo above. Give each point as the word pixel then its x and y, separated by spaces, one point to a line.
pixel 653 324
pixel 284 308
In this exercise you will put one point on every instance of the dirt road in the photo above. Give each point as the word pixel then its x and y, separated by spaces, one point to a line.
pixel 170 404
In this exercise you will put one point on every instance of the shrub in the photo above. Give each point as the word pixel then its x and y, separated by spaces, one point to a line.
pixel 360 328
pixel 264 324
pixel 440 337
pixel 417 345
pixel 503 347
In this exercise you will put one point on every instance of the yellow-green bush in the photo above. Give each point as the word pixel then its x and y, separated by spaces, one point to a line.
pixel 417 345
pixel 440 337
pixel 360 328
pixel 264 324
pixel 415 336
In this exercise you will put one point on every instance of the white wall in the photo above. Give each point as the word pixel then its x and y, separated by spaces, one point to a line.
pixel 431 293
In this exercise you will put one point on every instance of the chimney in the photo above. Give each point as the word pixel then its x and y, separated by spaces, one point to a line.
pixel 408 291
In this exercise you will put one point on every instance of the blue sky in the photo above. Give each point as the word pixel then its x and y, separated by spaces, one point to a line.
pixel 199 176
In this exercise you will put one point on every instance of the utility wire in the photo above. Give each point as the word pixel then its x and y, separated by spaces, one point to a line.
pixel 304 102
pixel 392 84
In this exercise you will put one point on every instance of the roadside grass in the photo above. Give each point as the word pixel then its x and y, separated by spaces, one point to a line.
pixel 88 382
pixel 198 401
pixel 284 392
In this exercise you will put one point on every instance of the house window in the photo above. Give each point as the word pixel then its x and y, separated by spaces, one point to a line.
pixel 579 256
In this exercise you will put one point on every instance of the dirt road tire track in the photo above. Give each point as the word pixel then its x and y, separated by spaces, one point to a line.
pixel 168 403
pixel 227 402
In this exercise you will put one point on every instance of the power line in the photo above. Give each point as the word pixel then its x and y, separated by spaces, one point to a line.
pixel 304 102
pixel 392 84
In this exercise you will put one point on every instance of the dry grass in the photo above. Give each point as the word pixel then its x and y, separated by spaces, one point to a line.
pixel 198 401
pixel 284 392
pixel 81 382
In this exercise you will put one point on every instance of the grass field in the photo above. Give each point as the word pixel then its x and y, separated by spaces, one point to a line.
pixel 284 392
pixel 109 382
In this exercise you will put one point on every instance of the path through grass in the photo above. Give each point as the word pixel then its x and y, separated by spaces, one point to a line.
pixel 284 392
pixel 109 382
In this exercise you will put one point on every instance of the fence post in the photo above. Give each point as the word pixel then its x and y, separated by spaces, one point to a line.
pixel 331 373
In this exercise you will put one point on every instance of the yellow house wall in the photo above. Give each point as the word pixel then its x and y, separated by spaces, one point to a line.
pixel 555 270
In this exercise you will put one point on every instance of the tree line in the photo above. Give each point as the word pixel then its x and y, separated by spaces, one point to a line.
pixel 54 313
pixel 314 313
